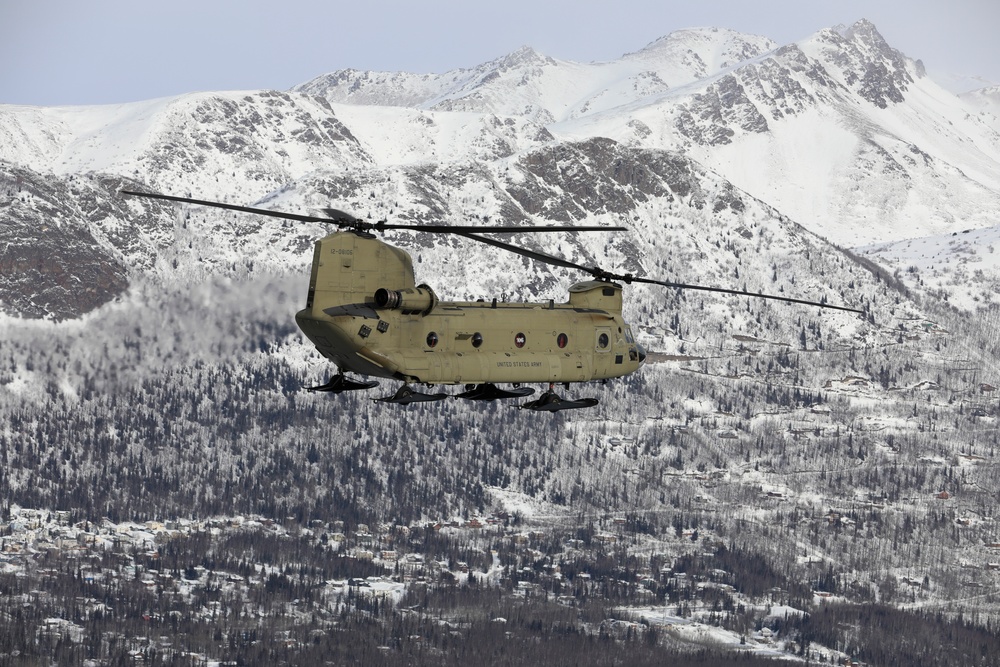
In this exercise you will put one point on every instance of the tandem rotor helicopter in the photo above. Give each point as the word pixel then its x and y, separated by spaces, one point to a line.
pixel 366 314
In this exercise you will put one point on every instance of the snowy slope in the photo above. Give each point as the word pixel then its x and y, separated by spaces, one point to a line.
pixel 839 133
pixel 171 379
pixel 206 144
pixel 544 89
pixel 962 268
pixel 730 162
pixel 987 102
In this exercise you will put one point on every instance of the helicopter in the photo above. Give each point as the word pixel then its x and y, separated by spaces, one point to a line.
pixel 365 313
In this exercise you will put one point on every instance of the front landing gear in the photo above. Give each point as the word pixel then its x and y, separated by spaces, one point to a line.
pixel 340 383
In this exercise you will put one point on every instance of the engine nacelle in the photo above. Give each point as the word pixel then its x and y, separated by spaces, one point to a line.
pixel 418 300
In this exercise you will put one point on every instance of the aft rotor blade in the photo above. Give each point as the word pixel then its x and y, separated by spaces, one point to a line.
pixel 465 230
pixel 600 274
pixel 533 254
pixel 774 297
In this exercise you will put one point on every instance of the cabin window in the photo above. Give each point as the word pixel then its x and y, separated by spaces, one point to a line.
pixel 477 339
pixel 519 340
pixel 432 339
pixel 603 340
pixel 562 340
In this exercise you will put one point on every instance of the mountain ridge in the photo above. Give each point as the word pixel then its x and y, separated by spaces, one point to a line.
pixel 832 131
pixel 676 59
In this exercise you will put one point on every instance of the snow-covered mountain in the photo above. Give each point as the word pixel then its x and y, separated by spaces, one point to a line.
pixel 839 132
pixel 150 364
pixel 544 89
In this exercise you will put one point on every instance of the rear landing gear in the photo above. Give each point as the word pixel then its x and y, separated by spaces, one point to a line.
pixel 491 392
pixel 550 401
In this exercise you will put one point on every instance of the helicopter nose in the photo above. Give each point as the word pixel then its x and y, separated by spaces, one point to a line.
pixel 642 353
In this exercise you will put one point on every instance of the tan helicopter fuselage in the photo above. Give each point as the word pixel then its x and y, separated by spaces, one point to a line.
pixel 365 313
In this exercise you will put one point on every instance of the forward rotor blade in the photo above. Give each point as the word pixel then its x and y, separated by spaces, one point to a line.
pixel 475 229
pixel 342 222
pixel 342 219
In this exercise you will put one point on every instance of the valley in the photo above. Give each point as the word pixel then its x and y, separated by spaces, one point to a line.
pixel 778 482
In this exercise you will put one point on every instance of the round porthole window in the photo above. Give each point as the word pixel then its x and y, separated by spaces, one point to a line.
pixel 477 339
pixel 562 340
pixel 432 339
pixel 520 339
pixel 603 340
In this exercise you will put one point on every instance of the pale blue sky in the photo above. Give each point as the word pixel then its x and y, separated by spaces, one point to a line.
pixel 56 52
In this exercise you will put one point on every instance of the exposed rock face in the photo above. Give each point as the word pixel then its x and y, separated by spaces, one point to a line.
pixel 570 181
pixel 871 67
pixel 710 118
pixel 51 264
pixel 779 86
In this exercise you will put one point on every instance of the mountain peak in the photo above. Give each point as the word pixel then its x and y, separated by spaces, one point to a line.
pixel 865 31
pixel 693 35
pixel 525 56
pixel 713 48
pixel 872 68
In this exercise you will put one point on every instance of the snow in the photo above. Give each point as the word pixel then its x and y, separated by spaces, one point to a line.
pixel 691 630
pixel 963 264
pixel 84 138
pixel 515 502
pixel 781 167
pixel 824 166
